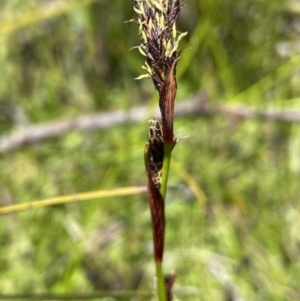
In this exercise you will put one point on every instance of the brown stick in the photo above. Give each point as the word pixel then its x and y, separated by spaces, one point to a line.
pixel 197 104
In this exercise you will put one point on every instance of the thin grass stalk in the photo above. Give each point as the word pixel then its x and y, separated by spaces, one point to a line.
pixel 161 287
pixel 78 197
pixel 166 168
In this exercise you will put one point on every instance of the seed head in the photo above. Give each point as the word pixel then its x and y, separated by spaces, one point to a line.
pixel 160 39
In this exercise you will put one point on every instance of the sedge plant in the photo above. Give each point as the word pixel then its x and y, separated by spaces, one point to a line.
pixel 159 44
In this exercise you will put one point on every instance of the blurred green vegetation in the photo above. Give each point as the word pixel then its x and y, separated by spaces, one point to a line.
pixel 65 58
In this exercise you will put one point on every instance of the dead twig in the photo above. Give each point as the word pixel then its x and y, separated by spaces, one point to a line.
pixel 197 104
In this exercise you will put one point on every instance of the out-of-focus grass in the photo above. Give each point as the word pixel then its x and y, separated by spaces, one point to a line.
pixel 241 242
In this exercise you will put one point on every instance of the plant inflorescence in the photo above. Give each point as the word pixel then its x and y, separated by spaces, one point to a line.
pixel 159 44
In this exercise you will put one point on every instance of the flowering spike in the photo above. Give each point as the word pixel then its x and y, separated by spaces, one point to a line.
pixel 159 43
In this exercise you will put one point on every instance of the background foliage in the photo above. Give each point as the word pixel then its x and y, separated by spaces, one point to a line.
pixel 65 58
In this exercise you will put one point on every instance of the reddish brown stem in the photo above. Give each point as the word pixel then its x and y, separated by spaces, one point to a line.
pixel 166 103
pixel 157 209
